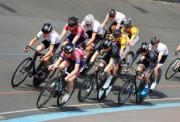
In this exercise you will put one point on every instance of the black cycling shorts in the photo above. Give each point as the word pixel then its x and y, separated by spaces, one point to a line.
pixel 47 44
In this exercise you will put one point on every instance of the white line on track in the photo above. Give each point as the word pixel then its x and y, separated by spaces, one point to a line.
pixel 76 105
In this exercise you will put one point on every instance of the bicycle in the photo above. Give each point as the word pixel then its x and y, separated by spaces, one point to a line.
pixel 95 81
pixel 131 87
pixel 28 67
pixel 54 87
pixel 173 68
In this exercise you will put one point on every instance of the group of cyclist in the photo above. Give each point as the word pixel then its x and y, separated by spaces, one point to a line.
pixel 114 43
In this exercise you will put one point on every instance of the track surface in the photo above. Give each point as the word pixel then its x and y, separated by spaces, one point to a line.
pixel 20 20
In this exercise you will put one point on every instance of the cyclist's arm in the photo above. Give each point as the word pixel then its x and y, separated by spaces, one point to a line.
pixel 131 40
pixel 63 33
pixel 75 39
pixel 58 61
pixel 33 41
pixel 75 71
pixel 94 56
pixel 92 38
pixel 105 21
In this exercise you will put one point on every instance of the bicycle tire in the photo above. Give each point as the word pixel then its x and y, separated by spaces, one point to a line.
pixel 89 79
pixel 170 68
pixel 50 88
pixel 61 93
pixel 23 63
pixel 127 89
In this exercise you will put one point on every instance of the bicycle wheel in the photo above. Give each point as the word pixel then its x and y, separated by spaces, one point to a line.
pixel 172 69
pixel 126 91
pixel 47 92
pixel 21 72
pixel 63 91
pixel 86 88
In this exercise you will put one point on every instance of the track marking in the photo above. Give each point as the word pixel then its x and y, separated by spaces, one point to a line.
pixel 79 105
pixel 95 111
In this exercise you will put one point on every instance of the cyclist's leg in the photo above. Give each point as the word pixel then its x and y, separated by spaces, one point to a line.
pixel 134 41
pixel 43 45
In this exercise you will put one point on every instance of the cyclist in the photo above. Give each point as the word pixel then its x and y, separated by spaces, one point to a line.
pixel 132 31
pixel 116 18
pixel 162 52
pixel 120 39
pixel 110 60
pixel 94 31
pixel 70 57
pixel 146 63
pixel 49 39
pixel 77 35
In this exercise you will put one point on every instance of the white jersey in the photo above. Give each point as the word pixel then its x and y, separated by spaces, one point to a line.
pixel 120 17
pixel 160 48
pixel 96 27
pixel 53 38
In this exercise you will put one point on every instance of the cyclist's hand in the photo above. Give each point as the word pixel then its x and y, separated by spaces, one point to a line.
pixel 26 49
pixel 66 78
pixel 52 67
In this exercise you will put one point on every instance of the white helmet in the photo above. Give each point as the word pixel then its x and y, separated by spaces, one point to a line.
pixel 89 19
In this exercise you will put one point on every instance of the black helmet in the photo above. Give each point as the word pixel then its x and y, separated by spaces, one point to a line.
pixel 116 33
pixel 68 48
pixel 127 23
pixel 107 43
pixel 144 47
pixel 47 28
pixel 72 21
pixel 155 40
pixel 112 13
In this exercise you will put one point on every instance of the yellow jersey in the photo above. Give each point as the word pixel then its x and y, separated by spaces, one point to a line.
pixel 122 41
pixel 132 31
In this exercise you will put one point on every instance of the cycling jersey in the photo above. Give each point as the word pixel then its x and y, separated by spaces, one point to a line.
pixel 112 53
pixel 150 58
pixel 122 41
pixel 160 48
pixel 77 55
pixel 53 38
pixel 119 18
pixel 96 27
pixel 132 31
pixel 77 31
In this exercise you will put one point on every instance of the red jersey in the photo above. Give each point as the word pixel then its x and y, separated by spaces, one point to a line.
pixel 77 31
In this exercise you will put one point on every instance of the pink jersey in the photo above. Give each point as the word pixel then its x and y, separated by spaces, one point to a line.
pixel 78 55
pixel 77 31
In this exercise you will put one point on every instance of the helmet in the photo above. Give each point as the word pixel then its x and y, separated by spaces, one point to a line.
pixel 112 13
pixel 89 19
pixel 128 23
pixel 107 43
pixel 116 33
pixel 144 47
pixel 68 48
pixel 72 21
pixel 47 28
pixel 155 40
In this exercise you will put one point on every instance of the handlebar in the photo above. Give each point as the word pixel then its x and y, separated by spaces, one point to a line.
pixel 38 53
